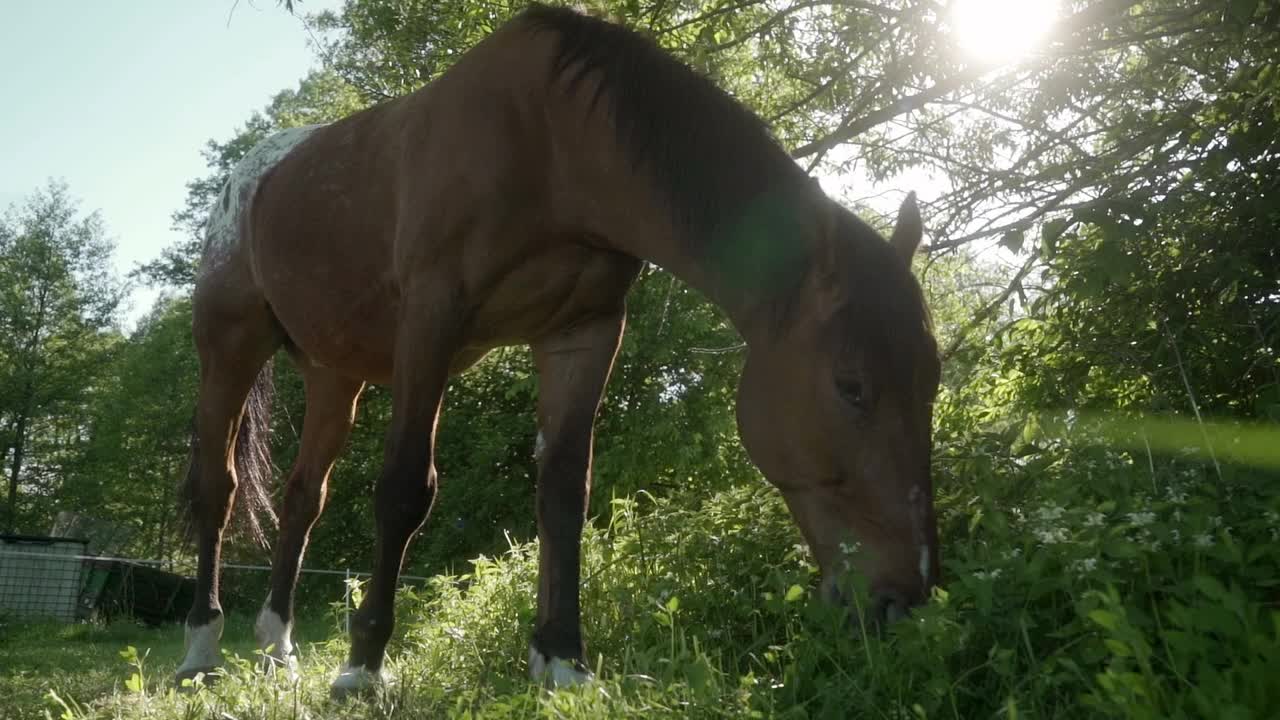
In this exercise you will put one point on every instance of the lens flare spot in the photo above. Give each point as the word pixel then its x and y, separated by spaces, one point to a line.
pixel 1000 31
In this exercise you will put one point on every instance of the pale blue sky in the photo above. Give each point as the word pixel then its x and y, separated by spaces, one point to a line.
pixel 117 98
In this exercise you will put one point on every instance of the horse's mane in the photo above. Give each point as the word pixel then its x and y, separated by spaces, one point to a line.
pixel 707 153
pixel 734 193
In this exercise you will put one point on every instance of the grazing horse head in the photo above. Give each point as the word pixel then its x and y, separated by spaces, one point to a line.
pixel 835 408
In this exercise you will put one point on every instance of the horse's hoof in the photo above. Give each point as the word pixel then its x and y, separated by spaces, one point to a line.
pixel 557 672
pixel 201 655
pixel 355 681
pixel 287 667
pixel 190 680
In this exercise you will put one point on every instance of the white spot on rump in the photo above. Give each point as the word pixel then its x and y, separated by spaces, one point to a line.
pixel 201 643
pixel 555 672
pixel 223 230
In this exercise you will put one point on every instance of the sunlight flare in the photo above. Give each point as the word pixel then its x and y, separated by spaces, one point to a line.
pixel 1000 31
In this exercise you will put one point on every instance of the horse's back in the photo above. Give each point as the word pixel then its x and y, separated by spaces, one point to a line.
pixel 451 184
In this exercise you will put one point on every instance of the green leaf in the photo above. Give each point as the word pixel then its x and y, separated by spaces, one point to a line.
pixel 1117 648
pixel 795 592
pixel 1105 618
pixel 1242 11
pixel 1210 586
pixel 1050 232
pixel 1013 240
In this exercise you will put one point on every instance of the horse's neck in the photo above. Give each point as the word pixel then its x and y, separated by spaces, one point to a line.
pixel 660 244
pixel 723 227
pixel 738 266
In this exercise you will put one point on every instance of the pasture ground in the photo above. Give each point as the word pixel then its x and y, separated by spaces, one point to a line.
pixel 1113 594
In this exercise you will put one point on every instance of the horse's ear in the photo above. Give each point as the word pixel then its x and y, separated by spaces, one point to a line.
pixel 909 230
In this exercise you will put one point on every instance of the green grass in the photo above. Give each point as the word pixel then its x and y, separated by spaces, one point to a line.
pixel 84 660
pixel 1117 592
pixel 73 660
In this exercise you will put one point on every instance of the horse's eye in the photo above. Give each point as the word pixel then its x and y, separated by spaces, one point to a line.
pixel 852 392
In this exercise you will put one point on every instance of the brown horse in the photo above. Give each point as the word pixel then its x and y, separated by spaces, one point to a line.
pixel 513 201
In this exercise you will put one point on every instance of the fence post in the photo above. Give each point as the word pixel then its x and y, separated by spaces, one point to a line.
pixel 346 600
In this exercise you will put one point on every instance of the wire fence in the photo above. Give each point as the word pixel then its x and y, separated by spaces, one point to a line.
pixel 54 578
pixel 41 576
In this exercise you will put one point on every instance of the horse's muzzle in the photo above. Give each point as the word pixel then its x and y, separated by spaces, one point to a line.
pixel 886 607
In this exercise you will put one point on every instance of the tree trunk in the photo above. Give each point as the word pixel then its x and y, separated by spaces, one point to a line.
pixel 31 359
pixel 4 453
pixel 19 443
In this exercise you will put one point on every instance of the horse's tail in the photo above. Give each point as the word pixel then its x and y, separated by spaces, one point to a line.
pixel 253 514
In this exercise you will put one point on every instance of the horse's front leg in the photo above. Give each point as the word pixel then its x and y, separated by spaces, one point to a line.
pixel 425 345
pixel 573 369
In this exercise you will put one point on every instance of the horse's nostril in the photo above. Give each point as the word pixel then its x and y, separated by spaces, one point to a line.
pixel 891 607
pixel 830 592
pixel 895 612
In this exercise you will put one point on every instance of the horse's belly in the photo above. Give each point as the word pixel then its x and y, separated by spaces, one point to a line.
pixel 338 311
pixel 355 341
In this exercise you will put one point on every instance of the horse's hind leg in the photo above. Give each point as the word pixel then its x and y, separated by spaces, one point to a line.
pixel 573 369
pixel 234 341
pixel 331 410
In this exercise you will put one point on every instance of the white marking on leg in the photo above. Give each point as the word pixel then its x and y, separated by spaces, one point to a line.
pixel 924 564
pixel 916 498
pixel 274 636
pixel 555 672
pixel 356 679
pixel 202 648
pixel 223 230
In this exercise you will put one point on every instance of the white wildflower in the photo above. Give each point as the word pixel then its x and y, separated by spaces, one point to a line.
pixel 1094 519
pixel 1051 536
pixel 1142 518
pixel 1085 566
pixel 987 575
pixel 1049 513
pixel 1204 540
pixel 1175 535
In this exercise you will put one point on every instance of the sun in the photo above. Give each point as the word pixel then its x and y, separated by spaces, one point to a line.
pixel 1000 31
